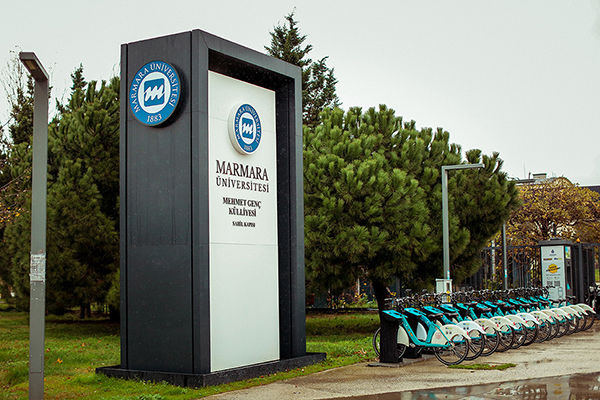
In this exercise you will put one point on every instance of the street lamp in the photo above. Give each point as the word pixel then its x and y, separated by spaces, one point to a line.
pixel 445 227
pixel 37 264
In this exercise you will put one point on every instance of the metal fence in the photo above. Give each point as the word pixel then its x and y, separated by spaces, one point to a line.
pixel 523 268
pixel 586 268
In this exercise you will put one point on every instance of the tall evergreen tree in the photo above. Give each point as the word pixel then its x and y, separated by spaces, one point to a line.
pixel 479 201
pixel 286 44
pixel 19 90
pixel 318 81
pixel 21 113
pixel 373 201
pixel 78 79
pixel 83 187
pixel 18 87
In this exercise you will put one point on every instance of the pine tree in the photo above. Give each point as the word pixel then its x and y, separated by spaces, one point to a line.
pixel 479 201
pixel 318 81
pixel 373 201
pixel 19 90
pixel 320 91
pixel 78 79
pixel 82 244
pixel 286 44
pixel 363 215
pixel 18 87
pixel 21 113
pixel 83 187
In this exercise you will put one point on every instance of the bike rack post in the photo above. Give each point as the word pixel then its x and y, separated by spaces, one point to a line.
pixel 389 338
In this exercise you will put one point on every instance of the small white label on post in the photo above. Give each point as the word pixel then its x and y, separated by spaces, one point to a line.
pixel 37 268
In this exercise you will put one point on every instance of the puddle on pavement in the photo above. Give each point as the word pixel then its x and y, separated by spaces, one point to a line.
pixel 578 386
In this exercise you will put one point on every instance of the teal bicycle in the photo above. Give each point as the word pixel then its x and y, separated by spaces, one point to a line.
pixel 449 343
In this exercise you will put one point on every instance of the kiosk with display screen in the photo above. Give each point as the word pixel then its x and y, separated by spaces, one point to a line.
pixel 556 267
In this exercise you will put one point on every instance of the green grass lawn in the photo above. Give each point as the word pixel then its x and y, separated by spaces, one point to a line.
pixel 74 348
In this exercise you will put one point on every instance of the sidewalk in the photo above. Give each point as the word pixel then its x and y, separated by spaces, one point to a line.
pixel 578 353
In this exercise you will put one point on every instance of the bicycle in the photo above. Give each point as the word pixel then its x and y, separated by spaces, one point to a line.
pixel 450 343
pixel 474 311
pixel 492 334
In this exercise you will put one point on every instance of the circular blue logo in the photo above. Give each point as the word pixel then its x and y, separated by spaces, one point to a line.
pixel 154 93
pixel 245 130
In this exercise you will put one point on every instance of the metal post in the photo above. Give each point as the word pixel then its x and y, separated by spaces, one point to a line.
pixel 37 276
pixel 584 286
pixel 493 264
pixel 445 223
pixel 504 256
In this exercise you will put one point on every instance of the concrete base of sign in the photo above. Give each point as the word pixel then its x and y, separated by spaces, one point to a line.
pixel 215 378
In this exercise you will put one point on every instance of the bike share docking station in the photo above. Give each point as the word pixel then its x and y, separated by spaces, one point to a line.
pixel 392 334
pixel 557 271
pixel 390 323
pixel 212 219
pixel 567 269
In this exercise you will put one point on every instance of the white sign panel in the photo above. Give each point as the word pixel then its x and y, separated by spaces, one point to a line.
pixel 37 267
pixel 553 271
pixel 244 274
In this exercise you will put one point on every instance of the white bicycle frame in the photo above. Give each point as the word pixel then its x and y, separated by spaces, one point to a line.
pixel 440 337
pixel 542 315
pixel 528 317
pixel 516 319
pixel 469 326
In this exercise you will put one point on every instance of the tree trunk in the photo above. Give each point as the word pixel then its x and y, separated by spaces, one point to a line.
pixel 85 310
pixel 381 293
pixel 114 313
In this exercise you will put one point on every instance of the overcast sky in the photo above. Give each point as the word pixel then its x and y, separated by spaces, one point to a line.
pixel 519 77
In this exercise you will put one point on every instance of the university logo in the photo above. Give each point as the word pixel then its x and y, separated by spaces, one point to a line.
pixel 245 130
pixel 154 93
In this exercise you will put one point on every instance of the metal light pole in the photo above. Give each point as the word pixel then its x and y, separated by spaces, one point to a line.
pixel 504 256
pixel 445 223
pixel 37 275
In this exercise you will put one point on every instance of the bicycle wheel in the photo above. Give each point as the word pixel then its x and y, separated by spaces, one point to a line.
pixel 554 328
pixel 544 331
pixel 507 338
pixel 563 327
pixel 456 351
pixel 376 339
pixel 580 322
pixel 476 345
pixel 401 349
pixel 520 335
pixel 492 341
pixel 531 332
pixel 573 325
pixel 589 320
pixel 592 319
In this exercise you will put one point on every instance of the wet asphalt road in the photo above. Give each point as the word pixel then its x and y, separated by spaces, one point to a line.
pixel 577 386
pixel 563 368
